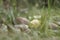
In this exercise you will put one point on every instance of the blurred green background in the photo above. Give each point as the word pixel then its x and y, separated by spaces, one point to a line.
pixel 47 13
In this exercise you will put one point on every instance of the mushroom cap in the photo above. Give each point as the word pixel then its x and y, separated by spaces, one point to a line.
pixel 53 26
pixel 35 23
pixel 22 20
pixel 22 27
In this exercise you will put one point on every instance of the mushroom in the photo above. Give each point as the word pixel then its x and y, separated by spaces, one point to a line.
pixel 23 28
pixel 53 26
pixel 35 23
pixel 22 20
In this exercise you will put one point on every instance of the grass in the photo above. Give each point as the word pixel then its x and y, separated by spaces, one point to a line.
pixel 43 33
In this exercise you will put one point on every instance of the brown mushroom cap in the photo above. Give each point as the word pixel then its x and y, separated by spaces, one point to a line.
pixel 53 26
pixel 22 20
